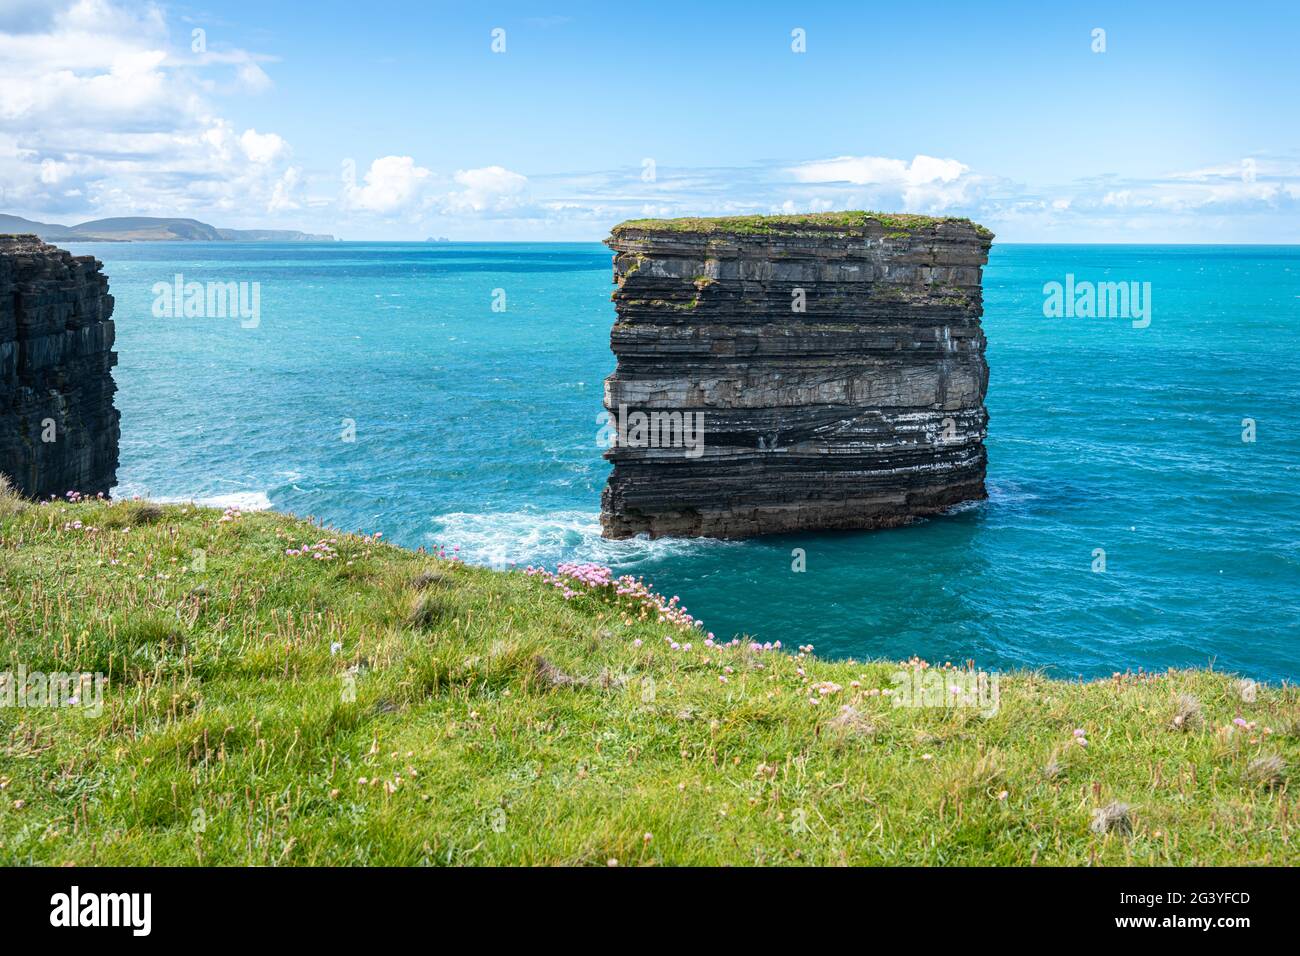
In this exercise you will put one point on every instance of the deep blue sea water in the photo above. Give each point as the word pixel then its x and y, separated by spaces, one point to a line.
pixel 478 428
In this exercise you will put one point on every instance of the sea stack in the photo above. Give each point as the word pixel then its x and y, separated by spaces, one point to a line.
pixel 832 365
pixel 58 426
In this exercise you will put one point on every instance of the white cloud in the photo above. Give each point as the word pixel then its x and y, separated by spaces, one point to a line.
pixel 489 189
pixel 879 170
pixel 103 115
pixel 1247 169
pixel 282 195
pixel 261 147
pixel 1123 199
pixel 253 78
pixel 1192 196
pixel 393 183
pixel 52 172
pixel 925 184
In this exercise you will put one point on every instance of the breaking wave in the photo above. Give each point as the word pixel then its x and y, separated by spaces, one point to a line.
pixel 499 539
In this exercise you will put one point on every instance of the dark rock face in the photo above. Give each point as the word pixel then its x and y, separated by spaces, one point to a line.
pixel 835 361
pixel 58 427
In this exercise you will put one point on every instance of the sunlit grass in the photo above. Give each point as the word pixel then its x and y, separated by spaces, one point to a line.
pixel 381 706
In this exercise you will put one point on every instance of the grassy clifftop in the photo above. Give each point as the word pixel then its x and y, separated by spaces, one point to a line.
pixel 849 222
pixel 281 694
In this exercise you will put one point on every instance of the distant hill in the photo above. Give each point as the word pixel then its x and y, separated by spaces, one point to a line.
pixel 18 225
pixel 149 228
pixel 145 228
pixel 273 235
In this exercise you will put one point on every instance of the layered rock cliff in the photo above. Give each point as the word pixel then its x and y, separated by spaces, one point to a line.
pixel 834 364
pixel 58 427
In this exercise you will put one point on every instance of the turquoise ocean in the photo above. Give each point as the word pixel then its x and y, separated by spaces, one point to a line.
pixel 477 428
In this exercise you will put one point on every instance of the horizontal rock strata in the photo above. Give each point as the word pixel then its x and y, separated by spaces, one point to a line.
pixel 58 426
pixel 835 362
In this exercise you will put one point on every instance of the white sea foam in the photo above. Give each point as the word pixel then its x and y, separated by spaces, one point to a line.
pixel 546 538
pixel 1008 494
pixel 241 500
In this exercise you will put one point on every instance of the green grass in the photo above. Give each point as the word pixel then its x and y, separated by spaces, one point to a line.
pixel 852 223
pixel 467 716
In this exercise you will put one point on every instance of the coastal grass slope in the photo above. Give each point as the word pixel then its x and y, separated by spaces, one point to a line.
pixel 282 694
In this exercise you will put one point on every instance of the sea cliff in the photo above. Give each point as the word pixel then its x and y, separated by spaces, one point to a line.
pixel 58 425
pixel 834 363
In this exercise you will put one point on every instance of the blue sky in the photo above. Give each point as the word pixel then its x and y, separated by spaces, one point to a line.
pixel 396 120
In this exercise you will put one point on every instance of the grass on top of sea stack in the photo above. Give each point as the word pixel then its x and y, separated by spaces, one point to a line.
pixel 282 694
pixel 854 222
